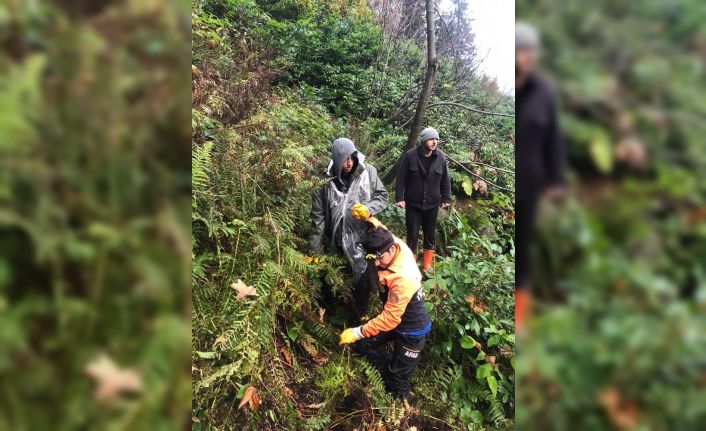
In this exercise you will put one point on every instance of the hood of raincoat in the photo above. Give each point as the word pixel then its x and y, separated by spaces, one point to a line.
pixel 340 150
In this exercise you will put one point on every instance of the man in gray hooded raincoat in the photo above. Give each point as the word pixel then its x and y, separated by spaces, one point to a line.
pixel 333 228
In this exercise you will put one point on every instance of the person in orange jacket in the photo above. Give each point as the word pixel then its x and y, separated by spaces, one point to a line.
pixel 404 319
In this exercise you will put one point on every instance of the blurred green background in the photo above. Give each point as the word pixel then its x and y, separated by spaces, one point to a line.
pixel 94 214
pixel 619 340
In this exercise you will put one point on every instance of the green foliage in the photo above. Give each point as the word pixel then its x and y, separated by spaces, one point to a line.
pixel 94 250
pixel 276 82
pixel 625 256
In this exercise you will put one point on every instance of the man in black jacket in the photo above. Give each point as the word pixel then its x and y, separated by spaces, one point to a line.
pixel 423 185
pixel 540 155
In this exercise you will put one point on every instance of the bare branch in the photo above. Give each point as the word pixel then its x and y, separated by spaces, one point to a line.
pixel 458 105
pixel 459 164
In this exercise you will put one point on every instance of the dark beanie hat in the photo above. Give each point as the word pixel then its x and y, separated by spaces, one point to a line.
pixel 377 240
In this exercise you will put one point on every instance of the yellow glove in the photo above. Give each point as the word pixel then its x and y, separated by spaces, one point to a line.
pixel 312 259
pixel 350 335
pixel 360 212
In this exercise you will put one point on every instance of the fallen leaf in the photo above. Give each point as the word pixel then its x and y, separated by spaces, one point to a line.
pixel 623 413
pixel 309 347
pixel 481 186
pixel 286 354
pixel 476 305
pixel 194 70
pixel 316 406
pixel 195 419
pixel 289 392
pixel 111 379
pixel 220 340
pixel 243 290
pixel 631 151
pixel 322 311
pixel 251 398
pixel 321 358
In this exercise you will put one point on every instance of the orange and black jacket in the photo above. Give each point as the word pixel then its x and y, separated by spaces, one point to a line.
pixel 404 310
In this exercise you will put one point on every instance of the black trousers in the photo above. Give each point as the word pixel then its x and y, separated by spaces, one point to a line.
pixel 427 220
pixel 367 284
pixel 525 213
pixel 395 370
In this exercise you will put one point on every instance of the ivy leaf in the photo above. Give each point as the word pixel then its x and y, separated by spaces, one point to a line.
pixel 243 290
pixel 492 384
pixel 467 342
pixel 495 339
pixel 484 371
pixel 467 186
pixel 601 152
pixel 293 333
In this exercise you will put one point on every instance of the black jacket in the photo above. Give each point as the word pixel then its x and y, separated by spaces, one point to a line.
pixel 419 188
pixel 540 154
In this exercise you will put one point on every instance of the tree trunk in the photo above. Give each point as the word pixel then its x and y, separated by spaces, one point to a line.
pixel 429 75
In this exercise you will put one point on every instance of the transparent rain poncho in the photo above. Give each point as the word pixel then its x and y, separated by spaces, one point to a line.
pixel 352 230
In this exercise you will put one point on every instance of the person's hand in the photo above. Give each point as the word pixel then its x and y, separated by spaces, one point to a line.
pixel 360 212
pixel 350 335
pixel 445 205
pixel 400 204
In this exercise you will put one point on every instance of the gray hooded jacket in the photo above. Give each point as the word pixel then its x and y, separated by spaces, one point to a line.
pixel 331 221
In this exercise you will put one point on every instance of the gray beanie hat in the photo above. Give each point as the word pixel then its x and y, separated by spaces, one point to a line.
pixel 428 133
pixel 526 36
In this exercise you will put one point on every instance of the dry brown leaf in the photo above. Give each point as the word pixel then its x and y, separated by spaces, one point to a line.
pixel 631 151
pixel 481 186
pixel 308 346
pixel 321 358
pixel 321 314
pixel 220 340
pixel 195 419
pixel 251 398
pixel 316 406
pixel 243 290
pixel 194 70
pixel 623 413
pixel 286 354
pixel 111 379
pixel 289 392
pixel 476 305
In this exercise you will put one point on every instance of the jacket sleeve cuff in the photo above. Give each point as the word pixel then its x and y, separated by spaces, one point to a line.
pixel 358 332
